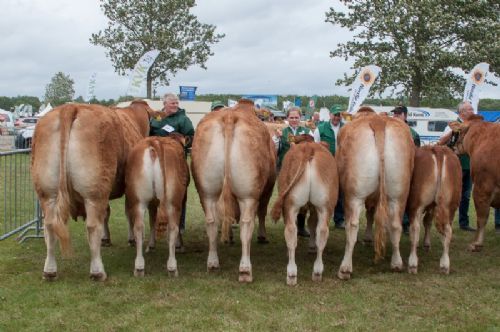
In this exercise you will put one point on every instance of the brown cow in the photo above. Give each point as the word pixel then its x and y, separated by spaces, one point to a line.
pixel 434 192
pixel 157 177
pixel 481 141
pixel 234 169
pixel 308 176
pixel 375 162
pixel 78 164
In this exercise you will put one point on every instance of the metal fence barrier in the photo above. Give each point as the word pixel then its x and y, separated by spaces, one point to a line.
pixel 20 211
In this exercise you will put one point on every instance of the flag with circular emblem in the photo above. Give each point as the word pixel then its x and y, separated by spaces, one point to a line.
pixel 361 86
pixel 475 81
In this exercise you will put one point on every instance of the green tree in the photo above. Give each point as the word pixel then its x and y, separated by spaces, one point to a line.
pixel 137 26
pixel 60 89
pixel 416 43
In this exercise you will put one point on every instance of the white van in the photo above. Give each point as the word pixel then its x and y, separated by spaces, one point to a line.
pixel 429 123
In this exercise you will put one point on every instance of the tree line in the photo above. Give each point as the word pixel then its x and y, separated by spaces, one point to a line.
pixel 8 103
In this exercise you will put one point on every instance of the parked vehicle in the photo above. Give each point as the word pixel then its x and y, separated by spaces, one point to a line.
pixel 25 122
pixel 429 123
pixel 23 139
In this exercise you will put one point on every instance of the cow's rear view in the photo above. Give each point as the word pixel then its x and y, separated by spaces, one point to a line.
pixel 233 164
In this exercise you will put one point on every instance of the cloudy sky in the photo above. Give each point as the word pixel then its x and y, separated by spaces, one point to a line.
pixel 271 47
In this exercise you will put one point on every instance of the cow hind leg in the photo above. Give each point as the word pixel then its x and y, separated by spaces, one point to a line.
pixel 290 217
pixel 322 231
pixel 248 208
pixel 444 262
pixel 312 223
pixel 96 212
pixel 138 228
pixel 395 213
pixel 210 206
pixel 50 267
pixel 415 220
pixel 174 214
pixel 130 220
pixel 353 209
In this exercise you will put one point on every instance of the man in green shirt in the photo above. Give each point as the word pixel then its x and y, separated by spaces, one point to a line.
pixel 175 121
pixel 328 131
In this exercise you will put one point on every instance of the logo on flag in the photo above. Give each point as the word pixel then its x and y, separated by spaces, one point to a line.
pixel 361 86
pixel 474 83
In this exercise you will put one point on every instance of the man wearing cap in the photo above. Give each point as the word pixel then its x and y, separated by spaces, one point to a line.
pixel 175 121
pixel 328 131
pixel 401 113
pixel 217 105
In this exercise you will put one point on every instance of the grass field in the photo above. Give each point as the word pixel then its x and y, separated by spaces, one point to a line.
pixel 374 299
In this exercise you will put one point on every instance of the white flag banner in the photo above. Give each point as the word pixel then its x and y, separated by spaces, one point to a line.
pixel 91 88
pixel 140 72
pixel 475 81
pixel 361 86
pixel 287 104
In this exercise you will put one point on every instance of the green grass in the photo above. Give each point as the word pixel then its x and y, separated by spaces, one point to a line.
pixel 374 299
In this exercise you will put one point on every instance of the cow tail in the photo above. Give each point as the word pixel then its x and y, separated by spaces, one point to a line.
pixel 227 205
pixel 63 203
pixel 297 169
pixel 441 213
pixel 381 215
pixel 162 215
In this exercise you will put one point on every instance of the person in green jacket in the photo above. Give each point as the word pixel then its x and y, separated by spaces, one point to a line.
pixel 464 110
pixel 175 121
pixel 328 131
pixel 282 142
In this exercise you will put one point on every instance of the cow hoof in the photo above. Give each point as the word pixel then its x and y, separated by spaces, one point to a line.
pixel 475 247
pixel 427 248
pixel 262 240
pixel 101 276
pixel 106 243
pixel 173 273
pixel 317 277
pixel 344 275
pixel 412 269
pixel 150 249
pixel 180 250
pixel 245 276
pixel 291 280
pixel 213 266
pixel 139 273
pixel 367 242
pixel 131 243
pixel 397 268
pixel 50 276
pixel 444 270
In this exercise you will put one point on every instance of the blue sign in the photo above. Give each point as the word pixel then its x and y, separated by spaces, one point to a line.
pixel 187 92
pixel 298 101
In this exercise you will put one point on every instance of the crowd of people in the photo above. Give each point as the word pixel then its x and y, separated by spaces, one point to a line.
pixel 177 121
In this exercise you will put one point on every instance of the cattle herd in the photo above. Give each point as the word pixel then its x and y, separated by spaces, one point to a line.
pixel 85 155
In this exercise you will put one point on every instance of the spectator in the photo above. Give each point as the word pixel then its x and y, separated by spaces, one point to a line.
pixel 176 121
pixel 217 105
pixel 328 131
pixel 401 113
pixel 282 142
pixel 464 110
